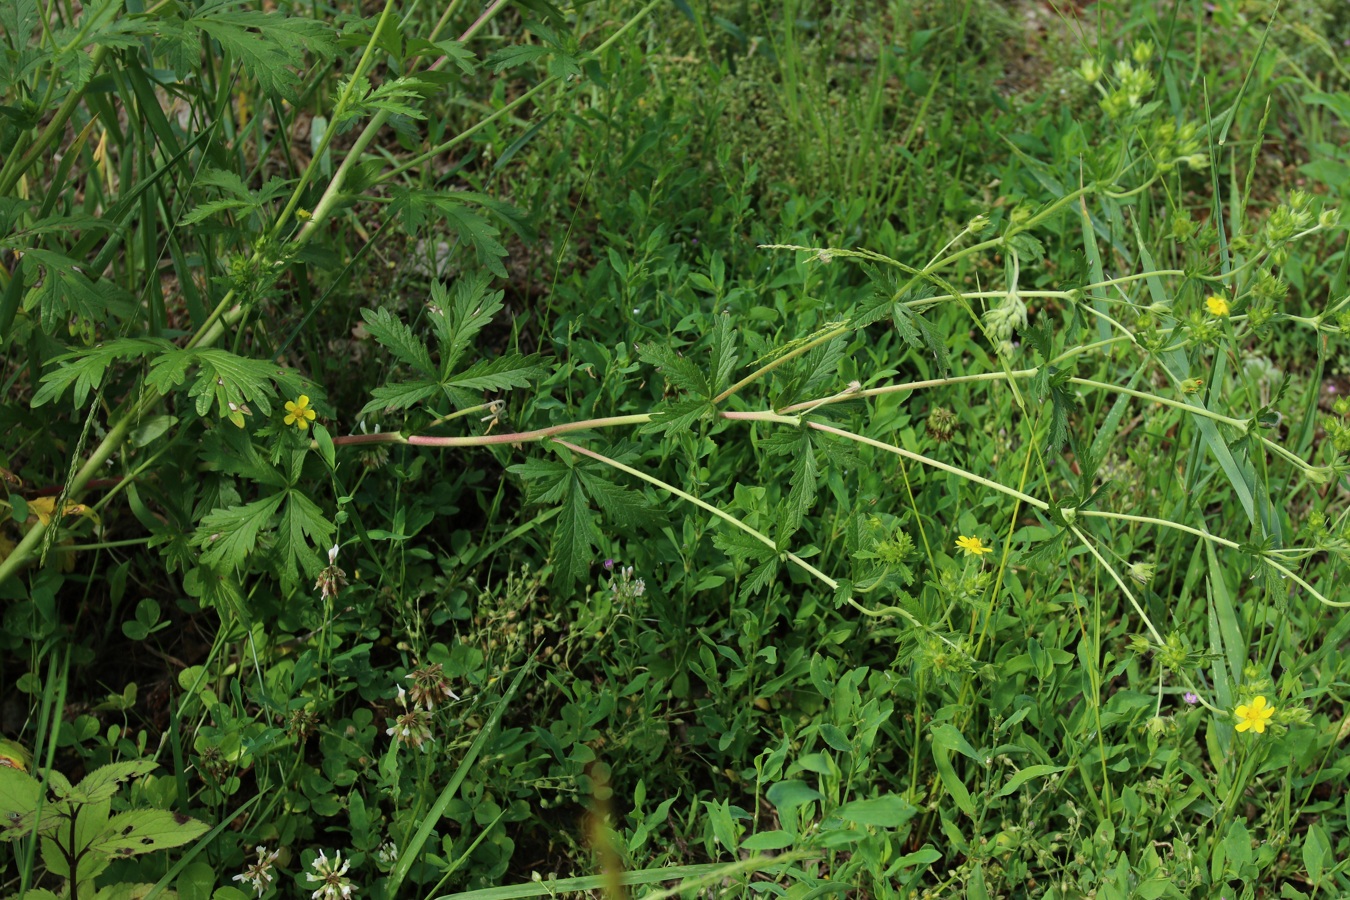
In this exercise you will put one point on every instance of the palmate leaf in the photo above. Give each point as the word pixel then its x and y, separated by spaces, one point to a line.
pixel 64 291
pixel 302 530
pixel 268 46
pixel 84 369
pixel 228 536
pixel 399 340
pixel 459 315
pixel 574 484
pixel 221 376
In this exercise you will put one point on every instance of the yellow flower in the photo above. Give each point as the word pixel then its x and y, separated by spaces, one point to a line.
pixel 298 413
pixel 1216 305
pixel 1254 715
pixel 972 545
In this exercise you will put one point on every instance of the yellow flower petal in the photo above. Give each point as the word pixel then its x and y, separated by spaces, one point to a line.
pixel 972 545
pixel 1216 305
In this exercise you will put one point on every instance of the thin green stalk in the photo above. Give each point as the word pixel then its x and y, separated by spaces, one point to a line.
pixel 793 354
pixel 1120 582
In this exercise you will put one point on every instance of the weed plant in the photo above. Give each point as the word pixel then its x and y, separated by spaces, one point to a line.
pixel 734 447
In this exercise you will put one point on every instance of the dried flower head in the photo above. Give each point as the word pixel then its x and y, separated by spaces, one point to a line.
pixel 430 686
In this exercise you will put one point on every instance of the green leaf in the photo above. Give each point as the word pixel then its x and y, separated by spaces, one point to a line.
pixel 303 533
pixel 680 372
pixel 575 537
pixel 675 416
pixel 398 339
pixel 145 831
pixel 889 811
pixel 514 56
pixel 400 395
pixel 459 317
pixel 20 794
pixel 85 369
pixel 1022 777
pixel 102 783
pixel 64 291
pixel 400 96
pixel 724 357
pixel 267 46
pixel 222 376
pixel 511 370
pixel 477 232
pixel 228 536
pixel 768 840
pixel 790 795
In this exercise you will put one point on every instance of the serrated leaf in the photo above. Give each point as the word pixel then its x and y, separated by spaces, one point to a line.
pixel 575 537
pixel 724 357
pixel 400 395
pixel 145 831
pixel 458 54
pixel 676 416
pixel 399 340
pixel 64 291
pixel 623 506
pixel 680 372
pixel 395 97
pixel 463 313
pixel 517 55
pixel 268 46
pixel 85 369
pixel 20 794
pixel 479 233
pixel 302 532
pixel 546 479
pixel 228 536
pixel 102 783
pixel 503 373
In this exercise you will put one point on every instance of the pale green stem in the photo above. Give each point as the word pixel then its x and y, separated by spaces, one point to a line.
pixel 927 461
pixel 1120 582
pixel 1164 523
pixel 519 437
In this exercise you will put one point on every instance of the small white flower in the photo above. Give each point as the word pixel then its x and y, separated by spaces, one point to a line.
pixel 259 874
pixel 331 878
pixel 332 554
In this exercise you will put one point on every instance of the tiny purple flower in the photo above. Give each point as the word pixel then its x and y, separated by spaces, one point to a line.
pixel 1190 697
pixel 609 565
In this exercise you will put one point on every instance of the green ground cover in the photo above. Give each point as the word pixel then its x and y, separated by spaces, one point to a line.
pixel 680 447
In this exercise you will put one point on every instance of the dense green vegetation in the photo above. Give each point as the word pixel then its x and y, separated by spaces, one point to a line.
pixel 691 446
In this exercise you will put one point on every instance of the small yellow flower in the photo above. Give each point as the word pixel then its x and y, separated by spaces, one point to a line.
pixel 298 413
pixel 1254 715
pixel 972 545
pixel 1216 305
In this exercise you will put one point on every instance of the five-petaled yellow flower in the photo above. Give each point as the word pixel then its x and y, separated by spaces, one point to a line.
pixel 972 545
pixel 1216 305
pixel 298 413
pixel 1254 715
